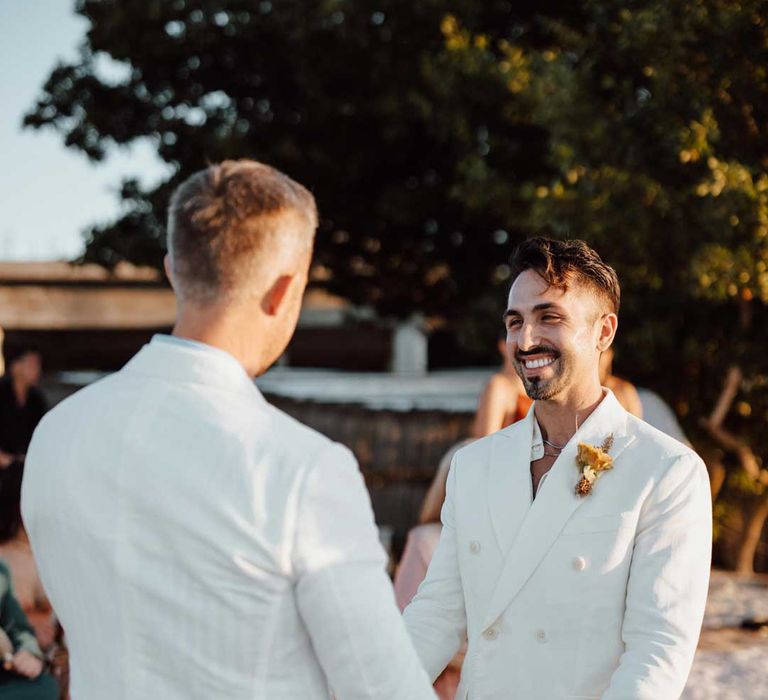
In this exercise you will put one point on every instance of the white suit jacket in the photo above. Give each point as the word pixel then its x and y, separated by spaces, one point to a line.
pixel 198 543
pixel 565 596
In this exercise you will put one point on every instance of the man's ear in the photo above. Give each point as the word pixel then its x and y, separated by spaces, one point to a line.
pixel 276 295
pixel 168 269
pixel 609 324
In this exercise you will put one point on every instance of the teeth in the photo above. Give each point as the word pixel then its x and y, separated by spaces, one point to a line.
pixel 534 364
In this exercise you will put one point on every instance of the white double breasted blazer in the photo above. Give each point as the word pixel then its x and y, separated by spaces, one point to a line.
pixel 197 543
pixel 564 596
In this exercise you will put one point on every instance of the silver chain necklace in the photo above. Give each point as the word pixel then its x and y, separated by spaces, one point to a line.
pixel 552 444
pixel 559 448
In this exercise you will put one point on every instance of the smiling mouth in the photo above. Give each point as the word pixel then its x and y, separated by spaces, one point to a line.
pixel 537 363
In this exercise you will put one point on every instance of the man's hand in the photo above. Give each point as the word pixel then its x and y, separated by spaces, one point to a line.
pixel 6 460
pixel 27 664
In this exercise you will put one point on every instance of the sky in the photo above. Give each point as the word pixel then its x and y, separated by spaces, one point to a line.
pixel 49 194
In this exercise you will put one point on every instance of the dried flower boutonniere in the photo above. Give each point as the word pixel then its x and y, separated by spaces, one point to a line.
pixel 593 461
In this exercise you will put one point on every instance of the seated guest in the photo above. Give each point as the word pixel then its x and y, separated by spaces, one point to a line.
pixel 503 400
pixel 624 391
pixel 17 555
pixel 22 405
pixel 418 552
pixel 21 677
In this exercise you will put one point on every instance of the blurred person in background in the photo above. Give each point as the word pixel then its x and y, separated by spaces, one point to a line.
pixel 503 400
pixel 16 552
pixel 624 390
pixel 419 548
pixel 21 676
pixel 22 405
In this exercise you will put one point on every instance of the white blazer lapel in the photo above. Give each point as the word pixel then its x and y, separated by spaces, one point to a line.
pixel 554 505
pixel 509 480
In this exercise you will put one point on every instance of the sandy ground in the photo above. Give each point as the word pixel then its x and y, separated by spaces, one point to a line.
pixel 731 663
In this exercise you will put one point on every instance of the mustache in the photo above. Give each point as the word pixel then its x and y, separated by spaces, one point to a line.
pixel 538 350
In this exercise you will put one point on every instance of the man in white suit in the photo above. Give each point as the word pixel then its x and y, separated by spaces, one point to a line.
pixel 195 541
pixel 568 579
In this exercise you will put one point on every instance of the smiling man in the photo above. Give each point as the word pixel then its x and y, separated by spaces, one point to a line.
pixel 575 549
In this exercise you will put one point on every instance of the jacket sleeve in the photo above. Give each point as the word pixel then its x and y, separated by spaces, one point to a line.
pixel 436 618
pixel 13 620
pixel 344 595
pixel 667 587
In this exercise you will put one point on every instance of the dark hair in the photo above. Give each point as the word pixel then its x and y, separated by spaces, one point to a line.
pixel 10 502
pixel 225 222
pixel 15 351
pixel 560 263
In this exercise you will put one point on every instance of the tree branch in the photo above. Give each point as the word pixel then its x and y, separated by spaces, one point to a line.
pixel 730 389
pixel 729 441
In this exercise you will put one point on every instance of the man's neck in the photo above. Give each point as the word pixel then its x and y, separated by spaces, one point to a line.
pixel 21 389
pixel 224 332
pixel 559 418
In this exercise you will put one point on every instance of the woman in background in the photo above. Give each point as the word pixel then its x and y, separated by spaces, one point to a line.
pixel 503 400
pixel 16 553
pixel 419 548
pixel 21 675
pixel 22 405
pixel 624 390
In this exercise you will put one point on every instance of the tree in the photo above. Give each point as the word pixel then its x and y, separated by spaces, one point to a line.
pixel 348 97
pixel 436 134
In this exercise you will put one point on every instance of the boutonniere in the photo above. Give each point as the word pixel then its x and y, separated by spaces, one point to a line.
pixel 593 461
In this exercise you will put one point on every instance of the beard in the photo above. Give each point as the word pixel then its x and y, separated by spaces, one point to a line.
pixel 540 388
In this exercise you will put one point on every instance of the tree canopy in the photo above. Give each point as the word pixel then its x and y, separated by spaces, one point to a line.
pixel 437 134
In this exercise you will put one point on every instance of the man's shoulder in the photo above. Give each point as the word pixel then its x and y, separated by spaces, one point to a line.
pixel 479 451
pixel 659 453
pixel 248 420
pixel 653 440
pixel 76 403
pixel 501 383
pixel 295 434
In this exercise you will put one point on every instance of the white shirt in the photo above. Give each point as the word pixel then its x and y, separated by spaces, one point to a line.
pixel 196 542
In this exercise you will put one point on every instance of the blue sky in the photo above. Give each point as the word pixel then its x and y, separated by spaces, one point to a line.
pixel 50 194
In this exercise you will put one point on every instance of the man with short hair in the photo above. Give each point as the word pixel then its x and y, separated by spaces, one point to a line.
pixel 575 548
pixel 195 541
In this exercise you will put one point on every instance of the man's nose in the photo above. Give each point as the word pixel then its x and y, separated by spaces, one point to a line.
pixel 527 338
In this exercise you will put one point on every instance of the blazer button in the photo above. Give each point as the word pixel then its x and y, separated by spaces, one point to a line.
pixel 474 547
pixel 541 635
pixel 579 563
pixel 491 633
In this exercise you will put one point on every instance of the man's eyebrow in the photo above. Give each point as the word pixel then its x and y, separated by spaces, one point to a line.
pixel 539 307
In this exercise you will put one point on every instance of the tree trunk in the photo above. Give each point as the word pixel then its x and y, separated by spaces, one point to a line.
pixel 717 474
pixel 750 536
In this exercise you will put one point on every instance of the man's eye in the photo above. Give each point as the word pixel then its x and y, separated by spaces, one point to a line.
pixel 513 322
pixel 550 317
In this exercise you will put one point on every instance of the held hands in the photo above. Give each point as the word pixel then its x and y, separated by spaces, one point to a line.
pixel 6 460
pixel 26 664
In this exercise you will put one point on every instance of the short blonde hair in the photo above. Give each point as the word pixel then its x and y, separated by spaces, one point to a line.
pixel 227 223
